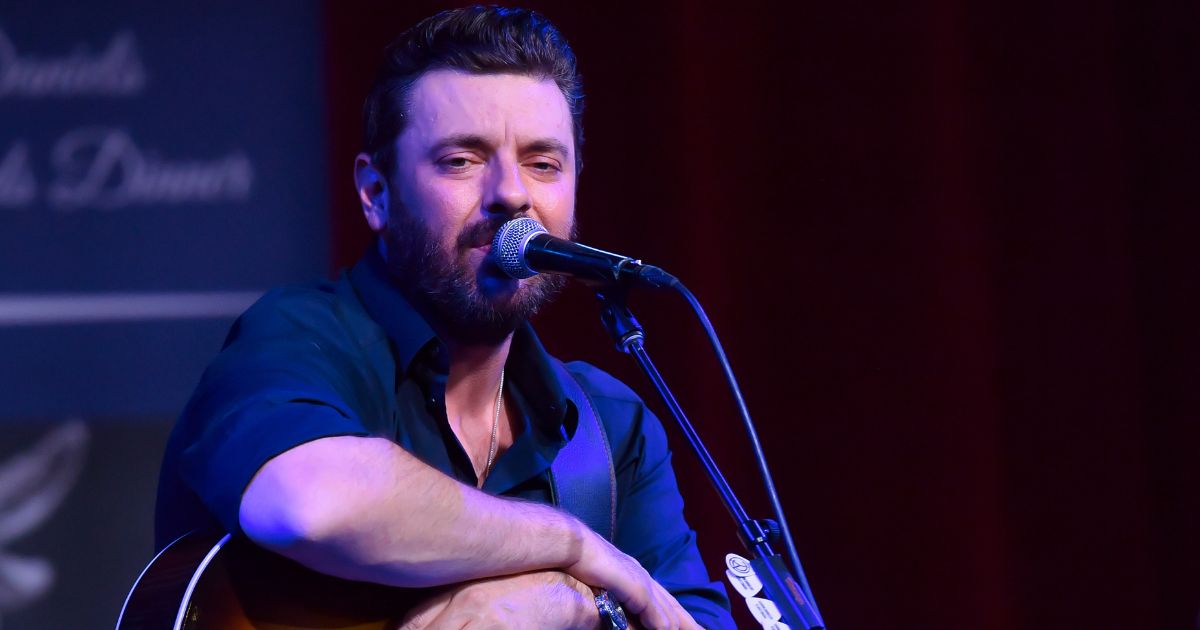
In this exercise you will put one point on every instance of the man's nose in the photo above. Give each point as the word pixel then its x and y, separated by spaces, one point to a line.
pixel 507 192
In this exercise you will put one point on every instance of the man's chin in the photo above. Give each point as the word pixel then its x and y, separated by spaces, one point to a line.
pixel 497 287
pixel 510 300
pixel 500 305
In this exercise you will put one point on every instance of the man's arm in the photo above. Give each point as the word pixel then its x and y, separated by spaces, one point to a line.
pixel 366 509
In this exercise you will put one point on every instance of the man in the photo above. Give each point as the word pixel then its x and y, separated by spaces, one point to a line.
pixel 398 426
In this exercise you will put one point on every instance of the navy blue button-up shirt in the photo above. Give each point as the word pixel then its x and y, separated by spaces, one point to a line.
pixel 352 357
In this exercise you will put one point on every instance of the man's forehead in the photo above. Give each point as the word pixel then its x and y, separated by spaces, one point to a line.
pixel 495 106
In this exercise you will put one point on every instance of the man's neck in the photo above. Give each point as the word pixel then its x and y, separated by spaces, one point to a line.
pixel 474 376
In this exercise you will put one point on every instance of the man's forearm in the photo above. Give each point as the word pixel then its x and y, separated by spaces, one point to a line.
pixel 366 509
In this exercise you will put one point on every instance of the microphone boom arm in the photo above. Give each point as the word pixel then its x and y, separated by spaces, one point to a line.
pixel 793 597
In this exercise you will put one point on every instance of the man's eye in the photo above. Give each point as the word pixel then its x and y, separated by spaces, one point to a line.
pixel 546 167
pixel 456 163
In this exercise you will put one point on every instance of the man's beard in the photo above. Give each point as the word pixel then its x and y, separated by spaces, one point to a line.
pixel 444 285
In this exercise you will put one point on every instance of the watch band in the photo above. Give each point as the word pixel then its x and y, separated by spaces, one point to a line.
pixel 612 616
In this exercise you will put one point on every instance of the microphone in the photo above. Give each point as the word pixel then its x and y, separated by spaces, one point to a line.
pixel 523 248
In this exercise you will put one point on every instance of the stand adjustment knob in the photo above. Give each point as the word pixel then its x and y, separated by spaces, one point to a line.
pixel 771 529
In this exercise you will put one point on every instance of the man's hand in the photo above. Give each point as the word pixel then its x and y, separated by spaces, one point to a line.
pixel 642 598
pixel 540 599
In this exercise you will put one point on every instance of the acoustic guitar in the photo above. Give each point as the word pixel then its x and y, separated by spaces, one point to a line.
pixel 221 582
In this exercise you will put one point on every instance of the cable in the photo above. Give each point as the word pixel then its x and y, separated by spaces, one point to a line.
pixel 759 457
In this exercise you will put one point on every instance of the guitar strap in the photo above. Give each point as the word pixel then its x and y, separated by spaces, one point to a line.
pixel 582 478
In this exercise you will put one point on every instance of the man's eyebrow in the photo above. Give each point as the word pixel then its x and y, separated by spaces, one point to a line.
pixel 464 140
pixel 548 145
pixel 478 142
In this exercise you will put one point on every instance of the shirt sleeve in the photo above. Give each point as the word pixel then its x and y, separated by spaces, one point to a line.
pixel 650 522
pixel 285 377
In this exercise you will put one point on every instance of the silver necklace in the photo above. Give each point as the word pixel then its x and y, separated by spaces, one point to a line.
pixel 491 459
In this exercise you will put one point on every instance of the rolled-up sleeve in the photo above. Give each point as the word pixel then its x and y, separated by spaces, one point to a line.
pixel 283 379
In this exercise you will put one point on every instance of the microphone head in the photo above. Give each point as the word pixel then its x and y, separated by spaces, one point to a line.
pixel 508 248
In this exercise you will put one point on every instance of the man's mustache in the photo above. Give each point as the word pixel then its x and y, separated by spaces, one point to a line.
pixel 481 233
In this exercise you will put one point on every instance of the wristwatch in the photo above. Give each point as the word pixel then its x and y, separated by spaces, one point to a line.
pixel 612 617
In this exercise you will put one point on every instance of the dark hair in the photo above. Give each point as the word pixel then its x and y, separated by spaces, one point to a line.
pixel 478 40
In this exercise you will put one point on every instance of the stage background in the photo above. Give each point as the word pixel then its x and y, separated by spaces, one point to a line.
pixel 949 248
pixel 161 165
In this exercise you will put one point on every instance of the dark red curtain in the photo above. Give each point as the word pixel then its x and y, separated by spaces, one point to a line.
pixel 949 247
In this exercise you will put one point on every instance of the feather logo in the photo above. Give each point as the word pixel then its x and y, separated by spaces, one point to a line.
pixel 33 484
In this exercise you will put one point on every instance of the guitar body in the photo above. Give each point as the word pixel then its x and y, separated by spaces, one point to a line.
pixel 210 582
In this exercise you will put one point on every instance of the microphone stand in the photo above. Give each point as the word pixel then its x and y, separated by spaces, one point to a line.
pixel 796 609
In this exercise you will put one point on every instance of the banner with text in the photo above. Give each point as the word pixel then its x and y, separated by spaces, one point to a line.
pixel 161 165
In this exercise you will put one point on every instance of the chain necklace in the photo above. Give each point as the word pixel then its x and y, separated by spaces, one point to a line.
pixel 491 459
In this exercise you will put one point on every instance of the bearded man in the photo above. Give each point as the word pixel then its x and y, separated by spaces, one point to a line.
pixel 401 425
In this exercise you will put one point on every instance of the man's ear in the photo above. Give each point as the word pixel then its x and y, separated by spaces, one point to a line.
pixel 372 189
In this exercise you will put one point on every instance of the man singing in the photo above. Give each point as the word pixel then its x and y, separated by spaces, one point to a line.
pixel 403 425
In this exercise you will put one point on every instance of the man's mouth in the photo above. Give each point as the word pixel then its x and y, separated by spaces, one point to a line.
pixel 481 239
pixel 480 236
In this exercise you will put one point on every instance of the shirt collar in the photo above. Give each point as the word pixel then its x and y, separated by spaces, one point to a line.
pixel 384 302
pixel 529 365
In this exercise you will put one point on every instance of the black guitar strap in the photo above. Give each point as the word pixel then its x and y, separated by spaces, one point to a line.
pixel 582 477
